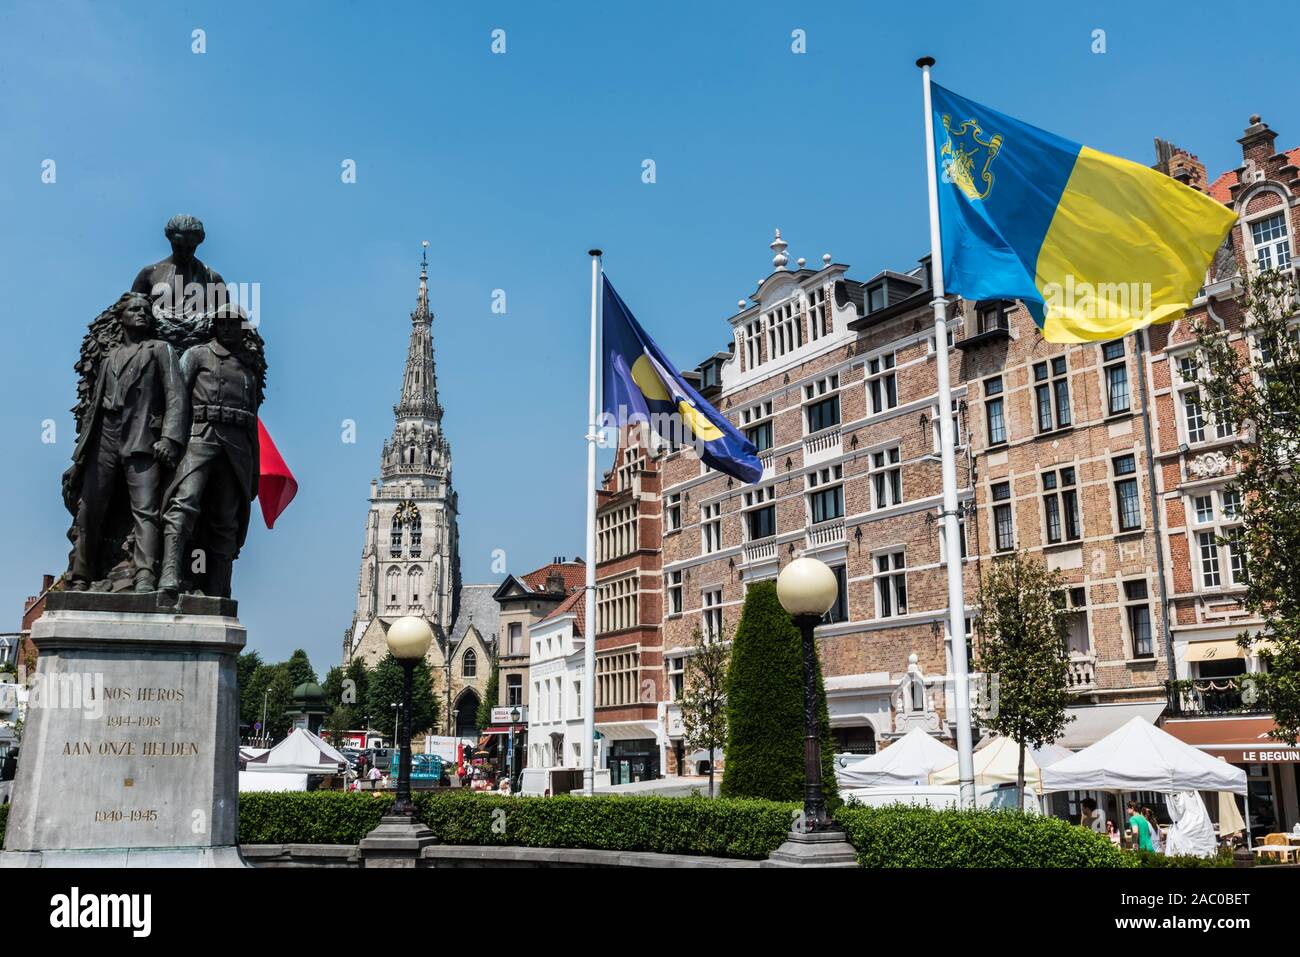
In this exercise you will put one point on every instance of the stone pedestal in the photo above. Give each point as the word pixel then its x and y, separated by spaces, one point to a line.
pixel 130 750
pixel 396 842
pixel 818 849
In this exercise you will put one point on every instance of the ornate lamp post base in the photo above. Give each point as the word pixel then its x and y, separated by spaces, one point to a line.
pixel 814 849
pixel 398 841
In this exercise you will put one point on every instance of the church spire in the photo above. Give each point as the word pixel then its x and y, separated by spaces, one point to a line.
pixel 419 398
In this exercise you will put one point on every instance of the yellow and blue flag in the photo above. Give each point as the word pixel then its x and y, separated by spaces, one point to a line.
pixel 1094 245
pixel 640 385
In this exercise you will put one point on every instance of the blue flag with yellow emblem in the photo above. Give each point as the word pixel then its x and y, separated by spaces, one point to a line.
pixel 1094 245
pixel 640 385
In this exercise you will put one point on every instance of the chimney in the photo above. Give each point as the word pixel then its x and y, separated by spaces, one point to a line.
pixel 46 582
pixel 1257 142
pixel 1176 162
pixel 555 582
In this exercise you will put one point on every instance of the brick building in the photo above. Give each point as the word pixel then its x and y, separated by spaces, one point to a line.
pixel 833 380
pixel 630 676
pixel 1211 705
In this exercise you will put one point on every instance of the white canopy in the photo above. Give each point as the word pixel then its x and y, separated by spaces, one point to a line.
pixel 909 760
pixel 1138 756
pixel 998 760
pixel 300 753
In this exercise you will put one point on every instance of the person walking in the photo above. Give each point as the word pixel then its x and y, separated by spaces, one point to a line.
pixel 1157 842
pixel 1139 828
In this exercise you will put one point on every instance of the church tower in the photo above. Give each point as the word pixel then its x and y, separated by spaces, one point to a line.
pixel 410 563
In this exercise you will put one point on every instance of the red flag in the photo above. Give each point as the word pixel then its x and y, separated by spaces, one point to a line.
pixel 276 485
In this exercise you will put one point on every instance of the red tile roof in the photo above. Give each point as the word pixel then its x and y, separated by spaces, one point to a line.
pixel 573 605
pixel 1221 188
pixel 574 574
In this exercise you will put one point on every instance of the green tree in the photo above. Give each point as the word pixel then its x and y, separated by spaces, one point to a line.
pixel 765 720
pixel 1021 648
pixel 356 695
pixel 704 697
pixel 300 669
pixel 250 693
pixel 490 694
pixel 277 684
pixel 335 724
pixel 1250 371
pixel 385 690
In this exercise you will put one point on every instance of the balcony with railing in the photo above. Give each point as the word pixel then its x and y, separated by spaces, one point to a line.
pixel 1211 697
pixel 1082 673
pixel 760 551
pixel 767 461
pixel 826 444
pixel 826 533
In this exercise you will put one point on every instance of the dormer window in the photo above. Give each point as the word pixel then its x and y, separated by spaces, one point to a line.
pixel 876 298
pixel 992 317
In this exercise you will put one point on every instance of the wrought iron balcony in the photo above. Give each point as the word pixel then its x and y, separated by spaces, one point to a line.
pixel 1192 697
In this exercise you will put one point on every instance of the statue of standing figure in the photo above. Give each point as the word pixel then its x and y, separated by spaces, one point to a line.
pixel 167 459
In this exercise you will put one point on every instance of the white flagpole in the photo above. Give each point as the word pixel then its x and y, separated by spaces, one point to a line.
pixel 948 459
pixel 589 639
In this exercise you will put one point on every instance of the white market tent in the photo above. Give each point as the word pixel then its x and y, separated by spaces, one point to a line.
pixel 997 762
pixel 907 761
pixel 1138 756
pixel 300 753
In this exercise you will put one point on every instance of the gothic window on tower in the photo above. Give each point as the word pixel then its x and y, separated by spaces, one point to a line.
pixel 394 579
pixel 415 533
pixel 415 591
pixel 395 544
pixel 469 664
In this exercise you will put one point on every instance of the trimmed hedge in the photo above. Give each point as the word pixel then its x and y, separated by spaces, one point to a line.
pixel 696 825
pixel 906 836
pixel 310 817
pixel 1152 859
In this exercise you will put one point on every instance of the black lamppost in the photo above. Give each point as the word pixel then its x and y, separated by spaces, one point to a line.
pixel 408 640
pixel 510 758
pixel 807 589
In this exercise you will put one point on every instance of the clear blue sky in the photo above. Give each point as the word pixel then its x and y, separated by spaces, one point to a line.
pixel 512 166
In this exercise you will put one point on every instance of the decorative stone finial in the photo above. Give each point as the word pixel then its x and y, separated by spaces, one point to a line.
pixel 826 259
pixel 740 304
pixel 800 262
pixel 778 247
pixel 1255 118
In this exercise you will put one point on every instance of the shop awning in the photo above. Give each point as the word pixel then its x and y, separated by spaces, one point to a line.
pixel 627 730
pixel 1235 740
pixel 504 729
pixel 1093 722
pixel 1214 650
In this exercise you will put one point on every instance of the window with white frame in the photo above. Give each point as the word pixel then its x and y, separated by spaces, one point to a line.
pixel 886 478
pixel 673 587
pixel 891 585
pixel 1061 506
pixel 711 527
pixel 514 690
pixel 1052 394
pixel 826 493
pixel 711 618
pixel 1004 533
pixel 882 383
pixel 1199 422
pixel 616 604
pixel 760 513
pixel 756 422
pixel 1220 547
pixel 958 433
pixel 1271 242
pixel 783 334
pixel 753 341
pixel 676 678
pixel 616 532
pixel 672 511
pixel 819 317
pixel 822 403
pixel 617 679
pixel 1115 371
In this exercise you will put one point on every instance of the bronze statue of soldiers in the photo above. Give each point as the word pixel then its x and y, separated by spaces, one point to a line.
pixel 133 426
pixel 216 480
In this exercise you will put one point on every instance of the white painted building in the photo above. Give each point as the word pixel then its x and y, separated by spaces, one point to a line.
pixel 555 723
